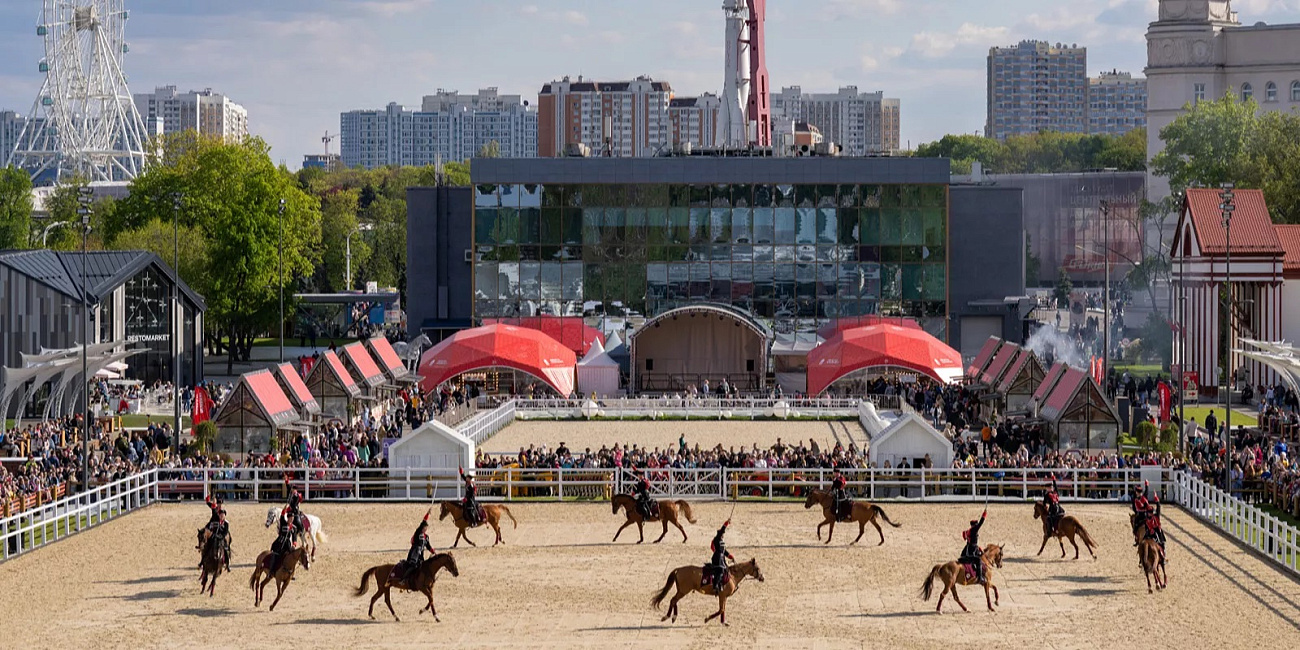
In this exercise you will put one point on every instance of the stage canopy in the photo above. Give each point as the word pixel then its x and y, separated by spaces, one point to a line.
pixel 570 331
pixel 697 343
pixel 500 346
pixel 881 346
pixel 850 322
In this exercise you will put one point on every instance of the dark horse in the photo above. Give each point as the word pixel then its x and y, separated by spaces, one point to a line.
pixel 492 518
pixel 667 515
pixel 420 580
pixel 861 511
pixel 1067 528
pixel 283 575
pixel 212 564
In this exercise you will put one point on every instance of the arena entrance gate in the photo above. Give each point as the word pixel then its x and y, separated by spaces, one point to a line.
pixel 672 483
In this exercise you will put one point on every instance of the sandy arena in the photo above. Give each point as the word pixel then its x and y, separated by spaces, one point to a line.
pixel 664 434
pixel 560 583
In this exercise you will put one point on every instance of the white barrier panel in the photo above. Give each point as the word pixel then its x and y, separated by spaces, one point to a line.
pixel 47 524
pixel 1263 533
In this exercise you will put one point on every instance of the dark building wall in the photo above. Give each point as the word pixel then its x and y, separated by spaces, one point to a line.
pixel 709 170
pixel 32 316
pixel 438 279
pixel 987 259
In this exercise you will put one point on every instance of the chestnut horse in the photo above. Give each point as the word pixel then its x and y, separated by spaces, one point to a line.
pixel 492 518
pixel 1152 563
pixel 213 563
pixel 667 515
pixel 420 580
pixel 282 575
pixel 691 579
pixel 862 512
pixel 953 574
pixel 1067 528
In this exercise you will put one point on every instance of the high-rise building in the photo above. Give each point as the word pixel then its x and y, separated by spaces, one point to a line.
pixel 1035 86
pixel 449 127
pixel 11 127
pixel 206 112
pixel 327 162
pixel 694 119
pixel 1117 103
pixel 862 123
pixel 578 112
pixel 1198 50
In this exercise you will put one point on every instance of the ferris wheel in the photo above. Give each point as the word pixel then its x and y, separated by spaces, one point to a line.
pixel 84 120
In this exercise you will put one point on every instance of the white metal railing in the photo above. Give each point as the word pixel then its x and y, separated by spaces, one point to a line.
pixel 1262 532
pixel 710 408
pixel 32 529
pixel 486 424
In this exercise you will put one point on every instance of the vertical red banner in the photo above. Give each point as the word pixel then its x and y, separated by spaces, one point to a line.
pixel 1166 400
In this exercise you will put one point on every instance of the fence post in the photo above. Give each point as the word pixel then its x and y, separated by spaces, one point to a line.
pixel 257 485
pixel 356 483
pixel 306 484
pixel 207 482
pixel 408 485
pixel 560 482
pixel 871 485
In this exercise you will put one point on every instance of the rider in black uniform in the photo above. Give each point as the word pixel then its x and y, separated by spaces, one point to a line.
pixel 214 505
pixel 642 492
pixel 220 535
pixel 1052 503
pixel 839 495
pixel 415 557
pixel 720 556
pixel 972 553
pixel 288 529
pixel 469 507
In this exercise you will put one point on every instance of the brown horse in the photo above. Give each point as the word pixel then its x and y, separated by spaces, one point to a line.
pixel 212 564
pixel 691 579
pixel 667 515
pixel 282 575
pixel 1152 563
pixel 953 574
pixel 862 512
pixel 421 580
pixel 1067 528
pixel 492 518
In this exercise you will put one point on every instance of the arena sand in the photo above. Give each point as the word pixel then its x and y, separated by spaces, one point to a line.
pixel 560 583
pixel 664 434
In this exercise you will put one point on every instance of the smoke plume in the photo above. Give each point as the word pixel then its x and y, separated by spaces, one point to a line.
pixel 1051 343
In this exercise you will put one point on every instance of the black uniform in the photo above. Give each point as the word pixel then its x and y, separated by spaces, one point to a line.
pixel 214 505
pixel 718 564
pixel 839 496
pixel 415 557
pixel 1052 503
pixel 972 553
pixel 469 507
pixel 220 535
pixel 283 543
pixel 642 493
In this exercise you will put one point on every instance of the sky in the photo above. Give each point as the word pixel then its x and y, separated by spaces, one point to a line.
pixel 296 64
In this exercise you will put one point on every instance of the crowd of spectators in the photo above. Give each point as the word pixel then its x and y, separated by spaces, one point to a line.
pixel 683 456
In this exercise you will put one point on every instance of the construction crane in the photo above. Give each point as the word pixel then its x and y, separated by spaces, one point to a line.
pixel 327 140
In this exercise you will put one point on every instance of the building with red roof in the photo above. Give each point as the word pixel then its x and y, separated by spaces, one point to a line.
pixel 1289 237
pixel 333 387
pixel 254 412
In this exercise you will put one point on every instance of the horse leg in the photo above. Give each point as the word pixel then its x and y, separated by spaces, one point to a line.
pixel 678 524
pixel 378 592
pixel 663 519
pixel 942 594
pixel 819 530
pixel 988 597
pixel 1061 541
pixel 497 529
pixel 997 598
pixel 879 531
pixel 388 601
pixel 672 605
pixel 1075 545
pixel 830 533
pixel 620 529
pixel 1147 570
pixel 955 597
pixel 261 587
pixel 280 588
pixel 717 613
pixel 1046 537
pixel 640 531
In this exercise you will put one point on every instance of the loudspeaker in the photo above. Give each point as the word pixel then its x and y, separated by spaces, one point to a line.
pixel 749 365
pixel 649 365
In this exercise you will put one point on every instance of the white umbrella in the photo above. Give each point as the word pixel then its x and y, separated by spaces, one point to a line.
pixel 118 366
pixel 107 374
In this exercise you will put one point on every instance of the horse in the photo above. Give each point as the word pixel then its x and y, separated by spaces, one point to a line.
pixel 690 579
pixel 1152 563
pixel 492 517
pixel 310 531
pixel 213 563
pixel 423 578
pixel 953 574
pixel 1067 528
pixel 282 575
pixel 667 515
pixel 862 512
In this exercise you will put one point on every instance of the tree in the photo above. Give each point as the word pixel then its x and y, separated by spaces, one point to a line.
pixel 205 433
pixel 338 218
pixel 1063 288
pixel 963 150
pixel 15 208
pixel 491 149
pixel 158 238
pixel 1040 153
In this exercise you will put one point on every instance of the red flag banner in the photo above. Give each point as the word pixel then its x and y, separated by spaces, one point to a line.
pixel 306 366
pixel 1166 400
pixel 202 409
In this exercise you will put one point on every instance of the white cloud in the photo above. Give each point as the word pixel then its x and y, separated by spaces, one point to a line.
pixel 576 18
pixel 390 8
pixel 842 8
pixel 933 45
pixel 529 10
pixel 869 63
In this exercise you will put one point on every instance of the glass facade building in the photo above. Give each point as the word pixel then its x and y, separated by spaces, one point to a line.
pixel 603 240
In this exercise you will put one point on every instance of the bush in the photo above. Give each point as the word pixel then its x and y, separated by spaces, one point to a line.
pixel 205 433
pixel 1147 434
pixel 1169 437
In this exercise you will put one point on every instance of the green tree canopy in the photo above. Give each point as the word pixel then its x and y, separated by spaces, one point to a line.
pixel 15 208
pixel 1041 153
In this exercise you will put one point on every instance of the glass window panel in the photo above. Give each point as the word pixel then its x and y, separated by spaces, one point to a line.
pixel 934 196
pixel 891 282
pixel 785 254
pixel 742 196
pixel 551 229
pixel 869 229
pixel 530 196
pixel 679 280
pixel 827 196
pixel 869 196
pixel 617 196
pixel 530 277
pixel 506 228
pixel 552 253
pixel 936 282
pixel 553 196
pixel 806 226
pixel 891 196
pixel 700 218
pixel 912 227
pixel 891 227
pixel 849 278
pixel 848 196
pixel 912 254
pixel 552 281
pixel 784 196
pixel 826 253
pixel 764 226
pixel 910 196
pixel 679 254
pixel 486 196
pixel 635 227
pixel 657 277
pixel 611 230
pixel 657 230
pixel 742 226
pixel 485 226
pixel 764 280
pixel 933 254
pixel 530 226
pixel 891 254
pixel 764 253
pixel 508 281
pixel 868 253
pixel 764 196
pixel 741 253
pixel 485 253
pixel 509 195
pixel 679 196
pixel 827 226
pixel 720 196
pixel 656 196
pixel 934 226
pixel 679 224
pixel 573 195
pixel 507 253
pixel 913 281
pixel 593 282
pixel 848 226
pixel 571 226
pixel 591 222
pixel 720 226
pixel 720 290
pixel 530 252
pixel 805 196
pixel 719 253
pixel 486 276
pixel 700 196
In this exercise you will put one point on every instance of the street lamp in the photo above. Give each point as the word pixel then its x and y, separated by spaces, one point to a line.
pixel 1105 356
pixel 281 280
pixel 84 196
pixel 177 351
pixel 1225 210
pixel 361 227
pixel 45 232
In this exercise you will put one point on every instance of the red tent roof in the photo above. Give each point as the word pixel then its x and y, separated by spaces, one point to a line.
pixel 1252 228
pixel 269 396
pixel 847 323
pixel 984 357
pixel 335 365
pixel 364 363
pixel 504 346
pixel 297 388
pixel 1289 235
pixel 571 331
pixel 1000 363
pixel 1053 376
pixel 1009 377
pixel 387 355
pixel 880 346
pixel 1064 392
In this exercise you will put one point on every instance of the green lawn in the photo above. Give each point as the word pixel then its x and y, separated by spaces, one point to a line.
pixel 1238 417
pixel 133 421
pixel 1140 371
pixel 293 341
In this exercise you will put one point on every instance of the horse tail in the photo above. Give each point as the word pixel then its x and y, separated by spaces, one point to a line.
pixel 875 508
pixel 257 569
pixel 927 589
pixel 663 593
pixel 318 529
pixel 686 510
pixel 510 515
pixel 365 581
pixel 1087 539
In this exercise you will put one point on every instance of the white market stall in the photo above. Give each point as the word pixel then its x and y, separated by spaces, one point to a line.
pixel 909 439
pixel 434 452
pixel 598 373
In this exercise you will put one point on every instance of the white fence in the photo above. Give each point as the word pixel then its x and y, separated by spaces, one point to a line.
pixel 688 408
pixel 487 423
pixel 47 524
pixel 1258 530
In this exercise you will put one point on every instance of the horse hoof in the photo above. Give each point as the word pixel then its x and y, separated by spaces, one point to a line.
pixel 437 620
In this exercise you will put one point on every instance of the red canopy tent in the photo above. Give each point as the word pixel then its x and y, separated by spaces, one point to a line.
pixel 570 331
pixel 881 346
pixel 849 322
pixel 500 346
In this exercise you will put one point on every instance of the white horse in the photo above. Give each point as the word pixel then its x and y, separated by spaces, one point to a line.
pixel 312 536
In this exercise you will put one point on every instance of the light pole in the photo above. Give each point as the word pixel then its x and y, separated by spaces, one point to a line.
pixel 281 280
pixel 1226 209
pixel 45 232
pixel 1105 338
pixel 361 227
pixel 177 319
pixel 84 196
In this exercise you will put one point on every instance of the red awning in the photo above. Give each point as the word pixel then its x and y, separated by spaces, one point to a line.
pixel 500 346
pixel 840 324
pixel 334 366
pixel 387 355
pixel 272 400
pixel 876 346
pixel 364 364
pixel 298 391
pixel 571 331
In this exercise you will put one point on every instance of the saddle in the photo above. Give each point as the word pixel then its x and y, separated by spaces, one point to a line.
pixel 480 517
pixel 649 510
pixel 304 524
pixel 844 511
pixel 970 571
pixel 711 572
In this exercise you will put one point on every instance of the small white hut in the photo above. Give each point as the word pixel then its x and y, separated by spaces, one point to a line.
pixel 597 373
